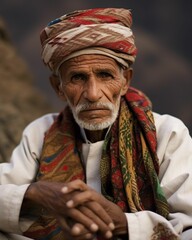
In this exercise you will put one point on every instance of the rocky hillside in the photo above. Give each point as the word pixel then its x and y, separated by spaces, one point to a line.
pixel 20 101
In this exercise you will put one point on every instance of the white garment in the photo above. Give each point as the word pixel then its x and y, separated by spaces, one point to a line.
pixel 175 155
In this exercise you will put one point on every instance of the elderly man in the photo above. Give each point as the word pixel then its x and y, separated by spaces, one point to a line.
pixel 106 166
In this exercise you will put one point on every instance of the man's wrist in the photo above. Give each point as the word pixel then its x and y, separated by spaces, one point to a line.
pixel 29 208
pixel 121 229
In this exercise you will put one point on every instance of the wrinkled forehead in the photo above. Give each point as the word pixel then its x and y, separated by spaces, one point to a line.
pixel 95 61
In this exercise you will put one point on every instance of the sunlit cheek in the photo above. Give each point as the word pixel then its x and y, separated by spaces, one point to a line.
pixel 73 94
pixel 115 92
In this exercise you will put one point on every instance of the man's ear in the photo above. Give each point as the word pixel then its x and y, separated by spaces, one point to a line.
pixel 128 74
pixel 56 85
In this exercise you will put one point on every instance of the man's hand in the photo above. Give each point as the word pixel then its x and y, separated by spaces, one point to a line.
pixel 90 198
pixel 78 231
pixel 74 231
pixel 52 198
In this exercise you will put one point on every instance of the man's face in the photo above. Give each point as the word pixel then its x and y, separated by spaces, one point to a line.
pixel 93 86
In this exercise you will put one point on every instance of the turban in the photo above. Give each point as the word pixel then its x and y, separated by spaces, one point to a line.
pixel 104 31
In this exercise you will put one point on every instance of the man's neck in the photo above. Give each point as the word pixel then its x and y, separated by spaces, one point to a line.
pixel 95 136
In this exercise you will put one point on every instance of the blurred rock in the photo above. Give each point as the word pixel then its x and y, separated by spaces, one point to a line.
pixel 165 77
pixel 20 101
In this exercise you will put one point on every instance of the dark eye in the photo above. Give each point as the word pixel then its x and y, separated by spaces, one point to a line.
pixel 105 75
pixel 78 77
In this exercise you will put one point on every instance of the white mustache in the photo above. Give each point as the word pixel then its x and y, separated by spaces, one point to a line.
pixel 87 106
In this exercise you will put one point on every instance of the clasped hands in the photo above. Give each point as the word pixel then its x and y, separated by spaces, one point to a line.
pixel 81 212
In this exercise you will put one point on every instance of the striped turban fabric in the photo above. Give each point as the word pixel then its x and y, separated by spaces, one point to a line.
pixel 104 31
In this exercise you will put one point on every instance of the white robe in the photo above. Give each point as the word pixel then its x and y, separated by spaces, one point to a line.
pixel 175 155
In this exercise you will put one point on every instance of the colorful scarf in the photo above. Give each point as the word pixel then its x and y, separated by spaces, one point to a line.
pixel 129 165
pixel 103 30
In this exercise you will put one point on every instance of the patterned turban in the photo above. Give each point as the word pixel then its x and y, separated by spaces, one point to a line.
pixel 105 31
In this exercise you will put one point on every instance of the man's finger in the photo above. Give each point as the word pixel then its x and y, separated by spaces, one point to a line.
pixel 76 185
pixel 95 202
pixel 103 223
pixel 75 231
pixel 79 217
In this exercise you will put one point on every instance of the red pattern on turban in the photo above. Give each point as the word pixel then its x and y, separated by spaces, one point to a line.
pixel 106 30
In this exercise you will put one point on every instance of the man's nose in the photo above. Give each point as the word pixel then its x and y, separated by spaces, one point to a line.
pixel 92 90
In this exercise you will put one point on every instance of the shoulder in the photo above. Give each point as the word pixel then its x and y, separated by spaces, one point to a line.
pixel 33 136
pixel 41 124
pixel 166 124
pixel 35 131
pixel 172 137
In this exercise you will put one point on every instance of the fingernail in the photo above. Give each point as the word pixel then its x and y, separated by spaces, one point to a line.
pixel 108 234
pixel 64 189
pixel 111 226
pixel 69 203
pixel 76 230
pixel 89 236
pixel 94 227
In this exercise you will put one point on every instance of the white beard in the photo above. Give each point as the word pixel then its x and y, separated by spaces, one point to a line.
pixel 96 126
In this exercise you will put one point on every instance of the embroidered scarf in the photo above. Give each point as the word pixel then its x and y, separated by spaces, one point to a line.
pixel 129 165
